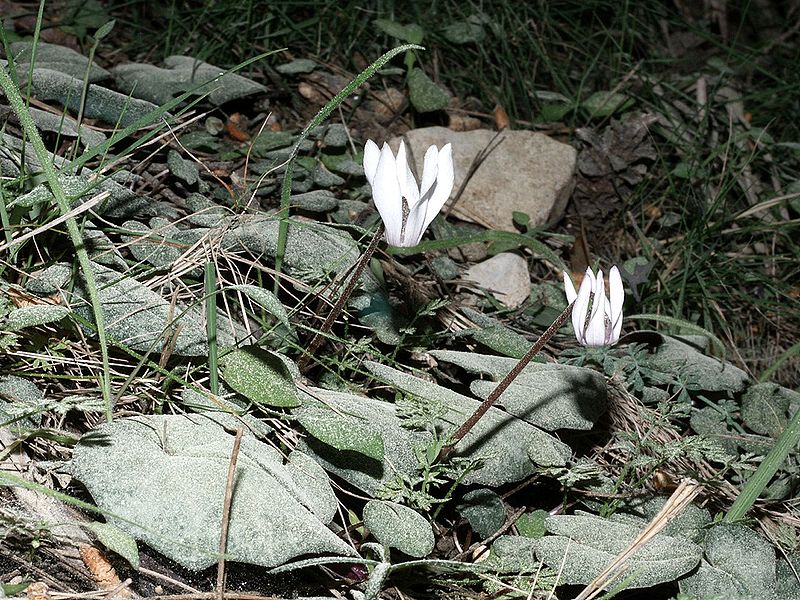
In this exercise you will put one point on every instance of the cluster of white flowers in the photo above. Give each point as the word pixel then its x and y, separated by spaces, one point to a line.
pixel 407 209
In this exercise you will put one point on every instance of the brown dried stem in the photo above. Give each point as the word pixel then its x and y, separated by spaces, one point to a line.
pixel 226 514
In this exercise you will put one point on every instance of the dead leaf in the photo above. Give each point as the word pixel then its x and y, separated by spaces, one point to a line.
pixel 459 122
pixel 103 573
pixel 21 298
pixel 610 165
pixel 38 590
pixel 501 120
pixel 386 104
pixel 234 126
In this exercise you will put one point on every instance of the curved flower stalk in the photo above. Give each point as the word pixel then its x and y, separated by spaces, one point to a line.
pixel 405 208
pixel 602 325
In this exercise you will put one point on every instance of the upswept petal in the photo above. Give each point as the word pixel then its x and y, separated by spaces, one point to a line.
pixel 388 196
pixel 617 299
pixel 372 155
pixel 445 177
pixel 430 171
pixel 569 288
pixel 596 329
pixel 408 184
pixel 582 306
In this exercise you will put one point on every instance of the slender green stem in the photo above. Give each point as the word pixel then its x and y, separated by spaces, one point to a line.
pixel 766 470
pixel 339 306
pixel 18 105
pixel 503 385
pixel 324 113
pixel 210 294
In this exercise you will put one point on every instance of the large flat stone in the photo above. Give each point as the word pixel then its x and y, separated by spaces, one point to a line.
pixel 505 276
pixel 526 172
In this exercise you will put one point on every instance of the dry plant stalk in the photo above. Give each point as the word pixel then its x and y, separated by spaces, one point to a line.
pixel 682 497
pixel 226 513
pixel 38 590
pixel 103 573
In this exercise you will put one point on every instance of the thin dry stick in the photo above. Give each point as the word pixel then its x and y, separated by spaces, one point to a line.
pixel 507 380
pixel 682 497
pixel 226 514
pixel 339 306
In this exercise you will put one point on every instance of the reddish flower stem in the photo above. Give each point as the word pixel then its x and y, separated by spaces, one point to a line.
pixel 319 337
pixel 507 380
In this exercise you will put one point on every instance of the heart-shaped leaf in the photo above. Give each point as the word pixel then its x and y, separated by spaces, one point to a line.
pixel 260 376
pixel 738 564
pixel 508 448
pixel 400 527
pixel 583 545
pixel 162 480
pixel 361 466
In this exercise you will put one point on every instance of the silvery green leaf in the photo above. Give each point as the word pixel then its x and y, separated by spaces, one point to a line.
pixel 514 554
pixel 117 541
pixel 182 73
pixel 34 315
pixel 297 66
pixel 508 448
pixel 549 395
pixel 701 372
pixel 739 564
pixel 260 376
pixel 366 473
pixel 424 94
pixel 581 546
pixel 347 433
pixel 266 300
pixel 57 58
pixel 484 510
pixel 162 478
pixel 399 527
pixel 765 408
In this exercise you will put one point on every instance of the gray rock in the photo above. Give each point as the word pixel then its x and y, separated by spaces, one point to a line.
pixel 527 172
pixel 505 276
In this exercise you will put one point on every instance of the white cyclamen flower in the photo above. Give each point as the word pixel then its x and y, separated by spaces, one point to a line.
pixel 406 209
pixel 601 327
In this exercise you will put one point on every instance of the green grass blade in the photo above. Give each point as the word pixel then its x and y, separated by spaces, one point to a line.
pixel 19 108
pixel 324 113
pixel 784 358
pixel 766 470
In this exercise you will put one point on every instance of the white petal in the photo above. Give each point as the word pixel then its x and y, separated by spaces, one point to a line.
pixel 387 195
pixel 430 170
pixel 408 185
pixel 445 178
pixel 415 225
pixel 569 288
pixel 617 294
pixel 371 156
pixel 582 306
pixel 596 329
